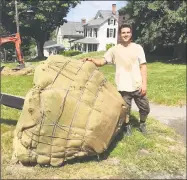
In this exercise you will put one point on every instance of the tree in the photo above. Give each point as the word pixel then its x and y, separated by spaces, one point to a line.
pixel 159 23
pixel 45 18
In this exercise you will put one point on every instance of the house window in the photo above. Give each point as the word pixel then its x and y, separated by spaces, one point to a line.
pixel 111 31
pixel 99 16
pixel 85 31
pixel 94 47
pixel 84 48
pixel 95 32
pixel 89 47
pixel 90 33
pixel 111 21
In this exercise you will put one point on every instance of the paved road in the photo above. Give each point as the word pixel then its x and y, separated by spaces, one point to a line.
pixel 174 117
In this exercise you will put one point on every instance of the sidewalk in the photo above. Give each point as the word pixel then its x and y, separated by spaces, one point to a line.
pixel 174 117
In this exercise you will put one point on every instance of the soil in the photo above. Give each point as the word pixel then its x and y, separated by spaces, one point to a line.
pixel 25 71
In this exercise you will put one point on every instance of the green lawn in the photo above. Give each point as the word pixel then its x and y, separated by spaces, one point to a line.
pixel 166 82
pixel 161 152
pixel 16 85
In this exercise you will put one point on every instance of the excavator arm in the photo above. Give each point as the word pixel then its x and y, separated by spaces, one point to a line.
pixel 15 38
pixel 7 99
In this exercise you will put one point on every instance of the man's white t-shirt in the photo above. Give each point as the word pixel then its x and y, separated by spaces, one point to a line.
pixel 127 61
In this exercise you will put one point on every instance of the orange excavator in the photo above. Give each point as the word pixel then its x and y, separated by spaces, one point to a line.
pixel 7 99
pixel 15 38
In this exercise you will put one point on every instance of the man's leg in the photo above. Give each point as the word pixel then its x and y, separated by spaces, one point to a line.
pixel 127 96
pixel 144 109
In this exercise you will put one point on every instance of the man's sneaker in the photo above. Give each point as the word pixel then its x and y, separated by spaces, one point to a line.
pixel 142 128
pixel 127 130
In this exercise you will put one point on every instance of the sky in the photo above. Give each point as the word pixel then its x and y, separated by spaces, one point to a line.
pixel 88 9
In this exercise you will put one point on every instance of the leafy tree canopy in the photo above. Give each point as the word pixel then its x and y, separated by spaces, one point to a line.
pixel 158 23
pixel 37 19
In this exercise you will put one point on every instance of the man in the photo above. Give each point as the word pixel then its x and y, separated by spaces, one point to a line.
pixel 131 74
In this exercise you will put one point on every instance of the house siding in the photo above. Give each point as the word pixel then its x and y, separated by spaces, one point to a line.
pixel 102 35
pixel 101 24
pixel 64 38
pixel 66 43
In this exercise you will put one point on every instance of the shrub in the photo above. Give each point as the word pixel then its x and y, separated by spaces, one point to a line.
pixel 108 46
pixel 70 53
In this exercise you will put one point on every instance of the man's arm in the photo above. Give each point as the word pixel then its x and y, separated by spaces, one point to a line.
pixel 97 62
pixel 107 58
pixel 143 69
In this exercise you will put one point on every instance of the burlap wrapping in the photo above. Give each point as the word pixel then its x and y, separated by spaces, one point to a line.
pixel 71 111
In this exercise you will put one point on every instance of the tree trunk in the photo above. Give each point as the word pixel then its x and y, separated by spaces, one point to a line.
pixel 40 45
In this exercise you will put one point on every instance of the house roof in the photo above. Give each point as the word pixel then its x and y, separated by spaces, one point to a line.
pixel 71 28
pixel 49 43
pixel 105 14
pixel 87 40
pixel 59 46
pixel 52 44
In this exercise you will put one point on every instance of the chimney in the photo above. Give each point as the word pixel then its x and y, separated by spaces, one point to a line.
pixel 83 21
pixel 113 8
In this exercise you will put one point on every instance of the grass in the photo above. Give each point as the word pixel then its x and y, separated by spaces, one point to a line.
pixel 98 54
pixel 134 157
pixel 16 85
pixel 167 83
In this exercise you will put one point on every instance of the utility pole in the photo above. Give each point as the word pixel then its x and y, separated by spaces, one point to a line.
pixel 16 16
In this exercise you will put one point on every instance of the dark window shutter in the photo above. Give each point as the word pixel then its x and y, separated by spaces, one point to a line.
pixel 108 21
pixel 107 32
pixel 114 32
pixel 96 32
pixel 91 32
pixel 114 21
pixel 86 32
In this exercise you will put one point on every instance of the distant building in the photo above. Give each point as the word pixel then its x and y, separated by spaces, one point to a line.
pixel 99 31
pixel 69 32
pixel 93 35
pixel 51 48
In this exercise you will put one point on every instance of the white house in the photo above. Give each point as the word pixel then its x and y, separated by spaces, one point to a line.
pixel 99 31
pixel 69 32
pixel 93 35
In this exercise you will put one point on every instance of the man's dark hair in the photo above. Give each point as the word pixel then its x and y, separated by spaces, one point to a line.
pixel 125 26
